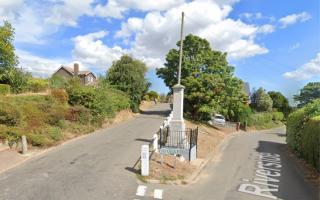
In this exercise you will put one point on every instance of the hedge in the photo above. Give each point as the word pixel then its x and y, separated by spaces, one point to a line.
pixel 310 143
pixel 303 130
pixel 4 89
pixel 277 116
pixel 259 119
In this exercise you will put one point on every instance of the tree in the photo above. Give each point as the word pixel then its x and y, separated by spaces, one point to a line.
pixel 8 60
pixel 208 79
pixel 280 102
pixel 153 95
pixel 308 93
pixel 261 101
pixel 128 75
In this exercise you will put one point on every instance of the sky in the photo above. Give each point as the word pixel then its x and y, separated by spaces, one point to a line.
pixel 272 44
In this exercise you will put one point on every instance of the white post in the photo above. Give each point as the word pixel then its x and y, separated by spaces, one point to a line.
pixel 145 160
pixel 155 143
pixel 24 144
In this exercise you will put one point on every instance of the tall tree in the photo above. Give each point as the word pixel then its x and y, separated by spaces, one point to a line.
pixel 261 101
pixel 280 102
pixel 128 75
pixel 308 93
pixel 8 58
pixel 207 76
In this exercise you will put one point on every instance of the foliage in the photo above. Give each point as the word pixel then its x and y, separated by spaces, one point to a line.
pixel 308 93
pixel 296 124
pixel 280 102
pixel 261 101
pixel 243 114
pixel 4 89
pixel 260 119
pixel 9 114
pixel 11 134
pixel 58 82
pixel 153 95
pixel 277 116
pixel 8 58
pixel 127 75
pixel 310 142
pixel 102 101
pixel 60 95
pixel 163 98
pixel 37 85
pixel 208 79
pixel 79 114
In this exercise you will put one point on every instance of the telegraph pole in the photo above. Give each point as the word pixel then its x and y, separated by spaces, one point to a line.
pixel 181 48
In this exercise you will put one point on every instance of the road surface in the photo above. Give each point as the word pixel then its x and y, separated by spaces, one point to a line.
pixel 98 166
pixel 253 166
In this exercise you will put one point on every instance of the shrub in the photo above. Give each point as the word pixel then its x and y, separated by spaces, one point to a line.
pixel 57 82
pixel 60 95
pixel 37 139
pixel 300 128
pixel 277 116
pixel 37 85
pixel 9 114
pixel 55 133
pixel 4 89
pixel 259 119
pixel 11 134
pixel 79 114
pixel 310 142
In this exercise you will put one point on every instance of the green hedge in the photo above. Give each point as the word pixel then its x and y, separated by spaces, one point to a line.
pixel 37 85
pixel 260 119
pixel 277 116
pixel 303 130
pixel 4 89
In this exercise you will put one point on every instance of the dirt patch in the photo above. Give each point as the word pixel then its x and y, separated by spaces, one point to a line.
pixel 171 169
pixel 121 116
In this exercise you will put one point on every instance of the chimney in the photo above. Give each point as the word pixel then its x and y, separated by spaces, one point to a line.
pixel 76 69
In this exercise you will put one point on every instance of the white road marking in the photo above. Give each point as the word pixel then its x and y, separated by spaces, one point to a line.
pixel 141 190
pixel 157 194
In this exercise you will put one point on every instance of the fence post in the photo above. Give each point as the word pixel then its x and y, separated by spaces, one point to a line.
pixel 155 143
pixel 145 160
pixel 24 144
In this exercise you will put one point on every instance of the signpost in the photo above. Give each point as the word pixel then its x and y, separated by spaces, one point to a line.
pixel 145 160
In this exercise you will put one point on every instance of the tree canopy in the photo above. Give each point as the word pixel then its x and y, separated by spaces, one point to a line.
pixel 261 101
pixel 308 93
pixel 210 86
pixel 9 74
pixel 128 74
pixel 280 102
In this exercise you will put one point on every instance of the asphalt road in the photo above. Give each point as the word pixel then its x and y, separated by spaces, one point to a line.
pixel 98 166
pixel 94 167
pixel 238 169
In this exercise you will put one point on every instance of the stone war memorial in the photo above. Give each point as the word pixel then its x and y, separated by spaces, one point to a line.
pixel 174 137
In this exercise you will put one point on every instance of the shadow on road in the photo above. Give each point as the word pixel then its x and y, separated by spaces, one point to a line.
pixel 143 140
pixel 291 181
pixel 162 113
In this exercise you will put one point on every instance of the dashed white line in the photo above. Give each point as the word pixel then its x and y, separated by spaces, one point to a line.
pixel 157 194
pixel 141 190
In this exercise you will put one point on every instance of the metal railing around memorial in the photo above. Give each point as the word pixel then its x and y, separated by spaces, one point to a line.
pixel 178 139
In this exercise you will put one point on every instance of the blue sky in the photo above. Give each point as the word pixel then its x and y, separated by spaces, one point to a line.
pixel 272 44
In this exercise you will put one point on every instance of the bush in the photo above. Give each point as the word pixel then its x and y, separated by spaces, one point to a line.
pixel 9 114
pixel 11 134
pixel 37 139
pixel 310 142
pixel 277 116
pixel 55 133
pixel 300 128
pixel 260 119
pixel 60 95
pixel 37 85
pixel 58 82
pixel 79 114
pixel 4 89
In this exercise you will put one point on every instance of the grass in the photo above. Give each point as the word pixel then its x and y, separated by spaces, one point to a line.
pixel 269 125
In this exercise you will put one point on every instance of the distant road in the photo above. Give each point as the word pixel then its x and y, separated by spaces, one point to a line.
pixel 91 168
pixel 252 167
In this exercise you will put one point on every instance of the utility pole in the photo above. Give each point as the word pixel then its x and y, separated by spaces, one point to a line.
pixel 181 48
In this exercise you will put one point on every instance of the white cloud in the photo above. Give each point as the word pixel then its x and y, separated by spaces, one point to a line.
pixel 90 50
pixel 307 71
pixel 158 32
pixel 294 18
pixel 67 12
pixel 39 66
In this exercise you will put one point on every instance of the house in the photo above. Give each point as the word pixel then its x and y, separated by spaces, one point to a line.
pixel 86 77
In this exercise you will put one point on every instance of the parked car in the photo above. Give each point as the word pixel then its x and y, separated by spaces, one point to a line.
pixel 218 119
